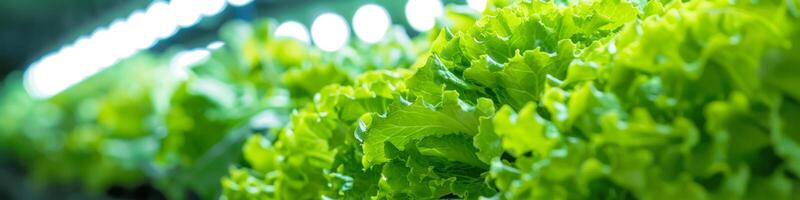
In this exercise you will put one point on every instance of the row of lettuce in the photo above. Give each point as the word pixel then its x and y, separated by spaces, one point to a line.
pixel 528 100
pixel 606 99
pixel 148 121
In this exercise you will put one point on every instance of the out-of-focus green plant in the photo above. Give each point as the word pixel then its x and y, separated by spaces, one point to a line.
pixel 97 133
pixel 146 121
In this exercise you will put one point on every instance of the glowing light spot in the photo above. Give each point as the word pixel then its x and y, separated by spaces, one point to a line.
pixel 371 22
pixel 422 14
pixel 211 7
pixel 294 30
pixel 187 13
pixel 161 20
pixel 330 32
pixel 215 45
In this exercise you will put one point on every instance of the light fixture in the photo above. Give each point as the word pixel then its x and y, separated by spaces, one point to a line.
pixel 211 7
pixel 140 31
pixel 371 22
pixel 160 19
pixel 187 13
pixel 330 32
pixel 123 38
pixel 118 42
pixel 293 29
pixel 422 14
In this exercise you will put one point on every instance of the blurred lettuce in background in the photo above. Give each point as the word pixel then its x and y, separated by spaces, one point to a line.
pixel 144 120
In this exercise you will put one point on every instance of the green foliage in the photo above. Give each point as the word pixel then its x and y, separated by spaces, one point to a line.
pixel 595 99
pixel 565 100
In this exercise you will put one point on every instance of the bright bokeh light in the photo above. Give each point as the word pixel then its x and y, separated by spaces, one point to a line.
pixel 211 7
pixel 293 29
pixel 160 19
pixel 330 32
pixel 140 31
pixel 101 40
pixel 123 38
pixel 119 36
pixel 371 22
pixel 54 73
pixel 239 2
pixel 81 49
pixel 186 12
pixel 215 45
pixel 422 14
pixel 39 82
pixel 477 5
